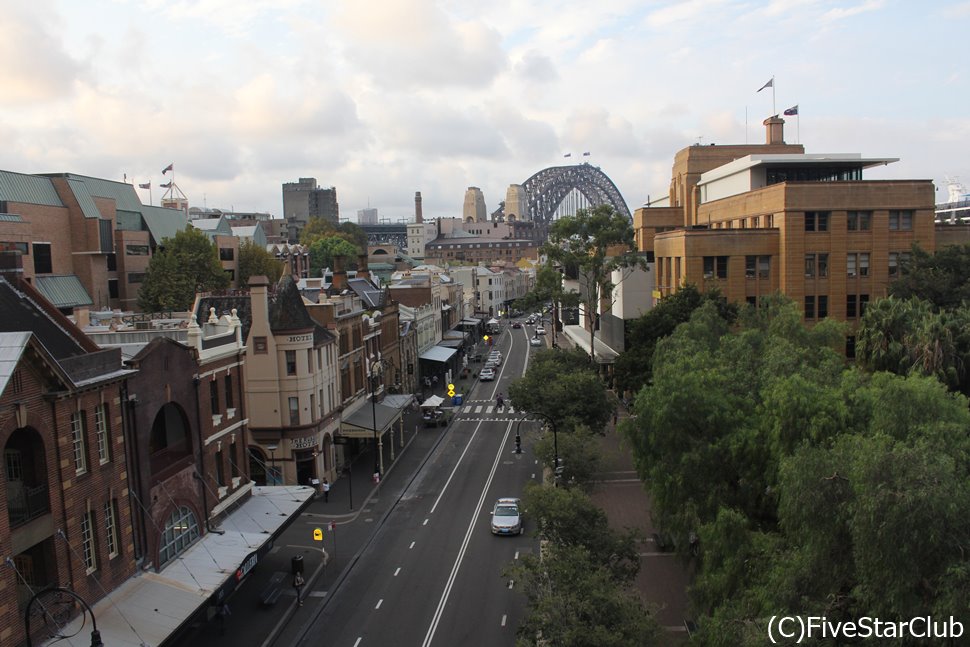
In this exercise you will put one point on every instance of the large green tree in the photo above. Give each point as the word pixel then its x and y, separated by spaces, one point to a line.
pixel 593 243
pixel 181 266
pixel 561 386
pixel 323 251
pixel 942 278
pixel 254 261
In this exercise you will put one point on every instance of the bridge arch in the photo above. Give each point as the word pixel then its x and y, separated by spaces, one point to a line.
pixel 547 189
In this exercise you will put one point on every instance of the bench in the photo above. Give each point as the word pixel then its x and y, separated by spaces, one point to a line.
pixel 273 590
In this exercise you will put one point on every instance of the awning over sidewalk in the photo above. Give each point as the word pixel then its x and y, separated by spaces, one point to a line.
pixel 437 354
pixel 451 343
pixel 157 604
pixel 580 336
pixel 469 322
pixel 360 423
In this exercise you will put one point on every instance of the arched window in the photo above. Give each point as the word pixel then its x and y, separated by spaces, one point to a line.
pixel 181 529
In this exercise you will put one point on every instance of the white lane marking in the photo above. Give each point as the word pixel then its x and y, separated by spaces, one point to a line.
pixel 489 409
pixel 397 571
pixel 533 475
pixel 464 544
pixel 478 409
pixel 467 409
pixel 516 555
pixel 359 638
pixel 425 523
pixel 504 617
pixel 411 546
pixel 455 469
pixel 511 583
pixel 379 603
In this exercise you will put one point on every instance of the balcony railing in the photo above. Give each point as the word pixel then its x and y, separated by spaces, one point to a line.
pixel 28 504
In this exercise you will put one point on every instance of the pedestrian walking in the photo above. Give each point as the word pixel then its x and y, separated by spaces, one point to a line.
pixel 326 490
pixel 224 613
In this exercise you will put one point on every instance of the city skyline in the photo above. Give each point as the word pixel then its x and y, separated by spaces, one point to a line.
pixel 384 100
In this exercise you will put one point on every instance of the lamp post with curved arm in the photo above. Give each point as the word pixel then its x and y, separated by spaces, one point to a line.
pixel 376 371
pixel 57 610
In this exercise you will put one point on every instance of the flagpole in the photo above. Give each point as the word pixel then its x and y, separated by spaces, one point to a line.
pixel 746 125
pixel 774 111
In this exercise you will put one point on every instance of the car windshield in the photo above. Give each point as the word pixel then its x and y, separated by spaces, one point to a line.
pixel 506 511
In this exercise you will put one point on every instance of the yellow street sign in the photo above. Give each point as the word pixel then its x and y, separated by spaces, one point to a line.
pixel 317 534
pixel 451 387
pixel 485 337
pixel 451 393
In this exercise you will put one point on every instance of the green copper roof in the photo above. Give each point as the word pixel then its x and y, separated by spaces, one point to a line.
pixel 63 290
pixel 80 190
pixel 29 189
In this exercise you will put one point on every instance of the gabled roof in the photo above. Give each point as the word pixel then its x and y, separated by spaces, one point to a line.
pixel 286 311
pixel 29 189
pixel 372 296
pixel 63 290
pixel 22 313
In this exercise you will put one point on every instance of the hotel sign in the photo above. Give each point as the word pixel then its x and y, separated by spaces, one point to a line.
pixel 309 442
pixel 297 339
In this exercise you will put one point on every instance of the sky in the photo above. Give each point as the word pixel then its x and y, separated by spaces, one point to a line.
pixel 382 98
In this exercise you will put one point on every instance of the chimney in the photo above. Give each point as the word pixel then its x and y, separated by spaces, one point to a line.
pixel 418 215
pixel 362 264
pixel 774 130
pixel 12 266
pixel 259 305
pixel 339 283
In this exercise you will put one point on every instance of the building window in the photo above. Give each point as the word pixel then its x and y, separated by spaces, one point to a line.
pixel 896 261
pixel 213 397
pixel 111 261
pixel 291 362
pixel 764 267
pixel 136 277
pixel 858 220
pixel 181 529
pixel 750 267
pixel 111 528
pixel 823 306
pixel 11 246
pixel 220 469
pixel 715 267
pixel 112 288
pixel 850 306
pixel 899 220
pixel 42 258
pixel 87 543
pixel 816 221
pixel 226 253
pixel 810 307
pixel 850 347
pixel 259 345
pixel 294 411
pixel 809 266
pixel 136 250
pixel 77 440
pixel 857 264
pixel 229 400
pixel 313 405
pixel 101 428
pixel 233 460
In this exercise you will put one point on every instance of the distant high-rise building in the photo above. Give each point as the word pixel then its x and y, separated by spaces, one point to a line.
pixel 304 200
pixel 474 208
pixel 367 216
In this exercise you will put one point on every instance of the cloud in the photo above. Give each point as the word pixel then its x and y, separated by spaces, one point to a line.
pixel 36 66
pixel 414 44
pixel 536 67
pixel 841 13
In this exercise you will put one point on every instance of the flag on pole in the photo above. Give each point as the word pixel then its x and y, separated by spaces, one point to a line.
pixel 568 155
pixel 769 84
pixel 167 185
pixel 586 154
pixel 168 168
pixel 791 112
pixel 147 185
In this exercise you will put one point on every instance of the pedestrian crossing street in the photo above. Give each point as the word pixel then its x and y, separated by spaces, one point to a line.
pixel 486 408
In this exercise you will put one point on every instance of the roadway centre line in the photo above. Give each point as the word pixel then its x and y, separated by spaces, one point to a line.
pixel 455 469
pixel 397 571
pixel 464 544
pixel 411 546
pixel 379 603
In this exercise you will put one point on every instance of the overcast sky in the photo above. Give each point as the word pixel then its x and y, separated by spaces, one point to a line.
pixel 382 98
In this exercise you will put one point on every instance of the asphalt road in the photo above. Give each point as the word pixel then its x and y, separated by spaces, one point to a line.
pixel 433 572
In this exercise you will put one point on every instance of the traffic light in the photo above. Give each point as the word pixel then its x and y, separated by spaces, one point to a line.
pixel 518 444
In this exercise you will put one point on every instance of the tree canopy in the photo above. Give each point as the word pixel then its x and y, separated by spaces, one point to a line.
pixel 942 278
pixel 324 250
pixel 181 266
pixel 815 488
pixel 254 261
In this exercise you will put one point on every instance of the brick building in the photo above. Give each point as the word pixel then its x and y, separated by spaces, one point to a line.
pixel 755 219
pixel 65 513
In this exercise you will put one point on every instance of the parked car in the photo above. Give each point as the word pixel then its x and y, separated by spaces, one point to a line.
pixel 516 324
pixel 507 517
pixel 535 341
pixel 487 374
pixel 540 330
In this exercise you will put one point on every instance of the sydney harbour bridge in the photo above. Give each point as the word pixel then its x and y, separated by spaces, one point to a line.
pixel 561 190
pixel 550 194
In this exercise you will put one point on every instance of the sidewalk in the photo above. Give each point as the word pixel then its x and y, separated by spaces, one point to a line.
pixel 355 507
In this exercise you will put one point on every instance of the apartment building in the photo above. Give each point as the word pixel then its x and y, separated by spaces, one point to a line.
pixel 752 220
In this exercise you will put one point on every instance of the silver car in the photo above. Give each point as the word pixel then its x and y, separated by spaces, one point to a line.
pixel 507 517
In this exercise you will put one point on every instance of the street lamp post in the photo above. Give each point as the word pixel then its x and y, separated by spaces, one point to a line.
pixel 56 609
pixel 557 469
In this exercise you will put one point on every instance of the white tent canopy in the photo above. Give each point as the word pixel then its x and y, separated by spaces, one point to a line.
pixel 492 321
pixel 433 401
